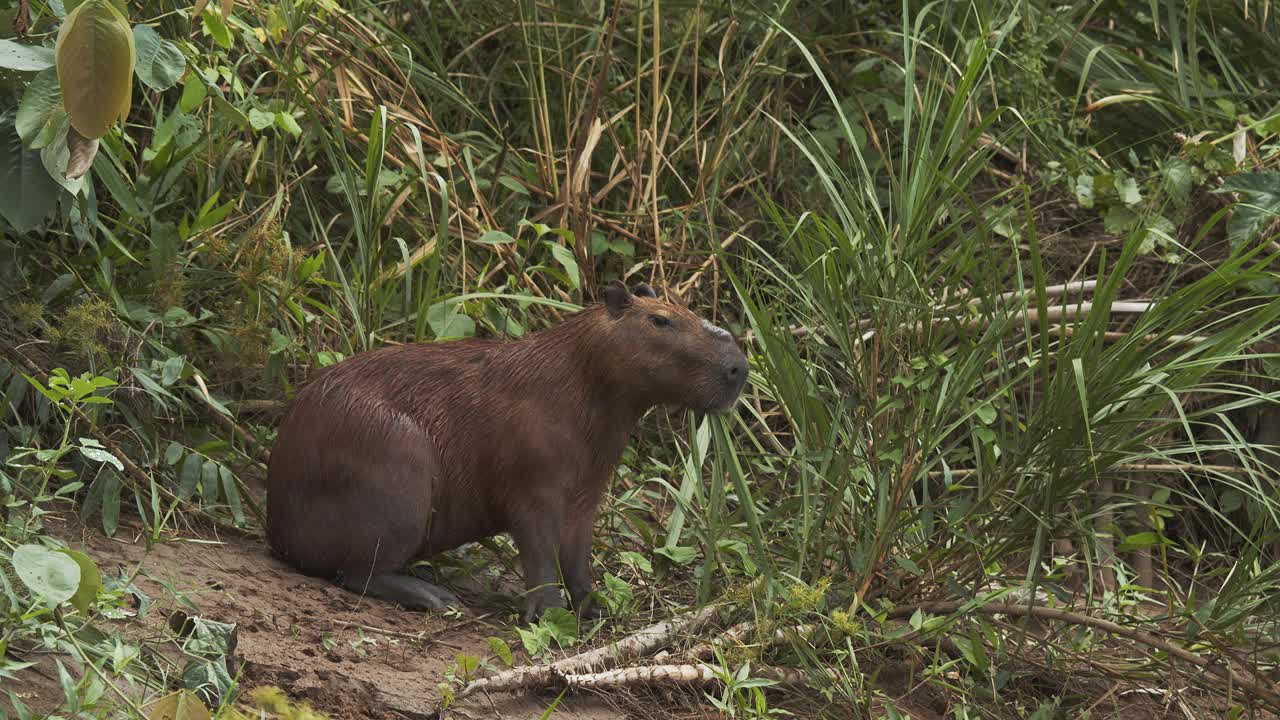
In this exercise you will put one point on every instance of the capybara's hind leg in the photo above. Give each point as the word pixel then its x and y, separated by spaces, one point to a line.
pixel 405 590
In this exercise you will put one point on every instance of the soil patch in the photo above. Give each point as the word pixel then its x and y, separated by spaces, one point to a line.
pixel 317 642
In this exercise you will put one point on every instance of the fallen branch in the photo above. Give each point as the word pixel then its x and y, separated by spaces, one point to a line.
pixel 739 634
pixel 678 675
pixel 640 644
pixel 1270 693
pixel 1120 467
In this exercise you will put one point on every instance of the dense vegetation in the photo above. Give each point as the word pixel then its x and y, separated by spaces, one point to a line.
pixel 1006 273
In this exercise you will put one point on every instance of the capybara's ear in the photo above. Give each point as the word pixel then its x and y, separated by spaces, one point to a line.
pixel 617 298
pixel 643 290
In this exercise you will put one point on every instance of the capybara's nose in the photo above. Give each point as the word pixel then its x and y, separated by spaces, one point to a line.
pixel 735 371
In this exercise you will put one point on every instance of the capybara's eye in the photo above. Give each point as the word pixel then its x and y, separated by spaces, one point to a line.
pixel 660 320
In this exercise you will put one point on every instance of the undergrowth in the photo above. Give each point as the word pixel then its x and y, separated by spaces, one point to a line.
pixel 1005 271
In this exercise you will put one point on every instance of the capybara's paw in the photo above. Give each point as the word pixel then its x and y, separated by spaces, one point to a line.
pixel 538 601
pixel 591 610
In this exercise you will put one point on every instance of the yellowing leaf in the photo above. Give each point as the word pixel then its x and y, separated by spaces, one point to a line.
pixel 95 58
pixel 180 705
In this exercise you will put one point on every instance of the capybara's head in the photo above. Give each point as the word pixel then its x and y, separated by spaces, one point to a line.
pixel 669 355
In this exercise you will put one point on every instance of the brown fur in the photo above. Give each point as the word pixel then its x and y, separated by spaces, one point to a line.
pixel 408 451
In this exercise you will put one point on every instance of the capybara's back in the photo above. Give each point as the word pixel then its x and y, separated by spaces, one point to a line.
pixel 407 451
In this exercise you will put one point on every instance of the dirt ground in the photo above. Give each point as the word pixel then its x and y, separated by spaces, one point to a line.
pixel 319 643
pixel 353 657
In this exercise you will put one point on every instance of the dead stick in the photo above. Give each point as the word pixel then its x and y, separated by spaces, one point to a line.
pixel 1122 467
pixel 642 643
pixel 1213 665
pixel 678 675
pixel 419 637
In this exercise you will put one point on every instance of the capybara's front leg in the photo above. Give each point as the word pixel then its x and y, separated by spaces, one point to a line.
pixel 575 562
pixel 537 537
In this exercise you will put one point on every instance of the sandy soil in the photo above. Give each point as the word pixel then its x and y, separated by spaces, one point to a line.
pixel 300 633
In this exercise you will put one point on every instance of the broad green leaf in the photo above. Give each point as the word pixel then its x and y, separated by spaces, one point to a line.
pixel 1129 193
pixel 24 58
pixel 636 560
pixel 38 109
pixel 601 243
pixel 1257 209
pixel 512 184
pixel 279 342
pixel 678 554
pixel 261 119
pixel 209 487
pixel 56 157
pixel 1139 541
pixel 101 456
pixel 232 492
pixel 217 28
pixel 986 414
pixel 189 476
pixel 193 93
pixel 563 625
pixel 564 256
pixel 52 576
pixel 447 322
pixel 110 502
pixel 1084 191
pixel 173 453
pixel 172 370
pixel 95 59
pixel 500 648
pixel 90 580
pixel 495 237
pixel 27 193
pixel 1119 220
pixel 288 123
pixel 1177 179
pixel 160 62
pixel 276 24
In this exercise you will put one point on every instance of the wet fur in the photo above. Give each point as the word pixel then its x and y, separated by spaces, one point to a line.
pixel 407 451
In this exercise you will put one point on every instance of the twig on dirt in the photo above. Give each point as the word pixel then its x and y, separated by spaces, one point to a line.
pixel 1211 664
pixel 416 637
pixel 640 644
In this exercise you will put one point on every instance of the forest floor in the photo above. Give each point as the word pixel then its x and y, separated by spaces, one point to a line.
pixel 343 654
pixel 355 657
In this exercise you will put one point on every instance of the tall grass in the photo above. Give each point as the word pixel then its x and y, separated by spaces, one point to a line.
pixel 934 436
pixel 930 419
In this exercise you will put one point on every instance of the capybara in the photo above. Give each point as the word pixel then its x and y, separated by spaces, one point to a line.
pixel 406 451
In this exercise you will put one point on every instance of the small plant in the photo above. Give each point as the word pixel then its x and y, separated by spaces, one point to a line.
pixel 743 696
pixel 557 625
